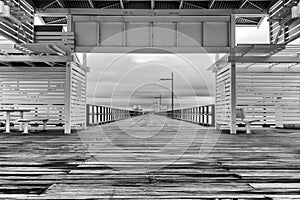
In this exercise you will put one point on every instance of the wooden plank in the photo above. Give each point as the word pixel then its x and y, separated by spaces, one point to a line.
pixel 79 166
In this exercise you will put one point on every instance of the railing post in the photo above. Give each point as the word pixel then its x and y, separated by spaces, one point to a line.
pixel 213 117
pixel 87 115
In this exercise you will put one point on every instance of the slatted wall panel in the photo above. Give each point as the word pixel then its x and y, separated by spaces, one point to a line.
pixel 223 97
pixel 282 31
pixel 78 95
pixel 13 29
pixel 269 97
pixel 40 89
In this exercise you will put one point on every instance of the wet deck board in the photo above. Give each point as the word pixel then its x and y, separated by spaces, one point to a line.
pixel 150 157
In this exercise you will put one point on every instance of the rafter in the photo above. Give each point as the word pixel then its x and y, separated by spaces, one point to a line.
pixel 180 4
pixel 152 4
pixel 61 3
pixel 248 20
pixel 254 5
pixel 56 21
pixel 122 4
pixel 242 3
pixel 91 3
pixel 264 59
pixel 130 12
pixel 211 4
pixel 21 58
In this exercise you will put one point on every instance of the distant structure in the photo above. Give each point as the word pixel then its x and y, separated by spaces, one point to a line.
pixel 137 108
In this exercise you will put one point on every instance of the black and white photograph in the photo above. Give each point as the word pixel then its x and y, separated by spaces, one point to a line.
pixel 150 99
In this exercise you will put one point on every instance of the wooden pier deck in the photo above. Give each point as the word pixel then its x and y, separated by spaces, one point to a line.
pixel 150 157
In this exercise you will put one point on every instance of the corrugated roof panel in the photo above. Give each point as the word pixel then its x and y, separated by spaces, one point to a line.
pixel 55 20
pixel 78 4
pixel 47 3
pixel 226 4
pixel 166 5
pixel 138 5
pixel 256 5
pixel 194 5
pixel 105 4
pixel 251 21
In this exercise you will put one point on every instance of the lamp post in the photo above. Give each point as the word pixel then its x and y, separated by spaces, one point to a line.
pixel 159 97
pixel 172 90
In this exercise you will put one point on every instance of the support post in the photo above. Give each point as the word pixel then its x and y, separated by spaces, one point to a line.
pixel 232 78
pixel 68 98
pixel 172 78
pixel 84 125
pixel 233 98
pixel 216 107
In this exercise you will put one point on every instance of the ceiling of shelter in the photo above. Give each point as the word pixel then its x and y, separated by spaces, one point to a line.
pixel 261 5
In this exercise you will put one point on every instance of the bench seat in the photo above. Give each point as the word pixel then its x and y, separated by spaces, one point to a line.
pixel 26 121
pixel 240 117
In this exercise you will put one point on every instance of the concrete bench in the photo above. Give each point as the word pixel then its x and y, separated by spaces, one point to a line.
pixel 240 117
pixel 25 122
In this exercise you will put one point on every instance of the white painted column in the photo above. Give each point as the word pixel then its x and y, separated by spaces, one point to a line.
pixel 84 126
pixel 217 127
pixel 278 113
pixel 68 98
pixel 233 98
pixel 232 78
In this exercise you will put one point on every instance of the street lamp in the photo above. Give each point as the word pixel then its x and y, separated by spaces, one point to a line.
pixel 159 97
pixel 172 90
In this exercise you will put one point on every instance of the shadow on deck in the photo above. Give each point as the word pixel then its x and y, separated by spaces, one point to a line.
pixel 150 157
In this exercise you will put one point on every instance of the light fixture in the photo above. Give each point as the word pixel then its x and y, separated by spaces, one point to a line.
pixel 296 11
pixel 6 11
pixel 2 8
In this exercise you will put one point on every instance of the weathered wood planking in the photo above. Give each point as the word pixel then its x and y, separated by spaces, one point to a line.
pixel 264 165
pixel 272 97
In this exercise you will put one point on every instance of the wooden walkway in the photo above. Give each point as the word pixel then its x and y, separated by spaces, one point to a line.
pixel 150 157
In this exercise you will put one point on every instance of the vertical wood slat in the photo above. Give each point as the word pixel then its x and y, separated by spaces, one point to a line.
pixel 78 96
pixel 203 115
pixel 97 115
pixel 223 101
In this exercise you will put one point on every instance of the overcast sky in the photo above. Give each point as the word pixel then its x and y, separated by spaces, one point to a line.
pixel 132 79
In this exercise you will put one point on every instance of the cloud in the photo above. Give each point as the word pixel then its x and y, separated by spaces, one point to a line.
pixel 134 77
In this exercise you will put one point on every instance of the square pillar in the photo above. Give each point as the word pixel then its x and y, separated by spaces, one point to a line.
pixel 233 98
pixel 68 98
pixel 232 77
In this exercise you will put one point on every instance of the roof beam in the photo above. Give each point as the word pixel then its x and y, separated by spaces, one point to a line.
pixel 20 58
pixel 264 59
pixel 152 4
pixel 254 5
pixel 61 3
pixel 144 12
pixel 122 4
pixel 180 4
pixel 242 3
pixel 211 4
pixel 91 3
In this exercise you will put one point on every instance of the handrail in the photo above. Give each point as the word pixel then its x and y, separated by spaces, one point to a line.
pixel 96 115
pixel 203 115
